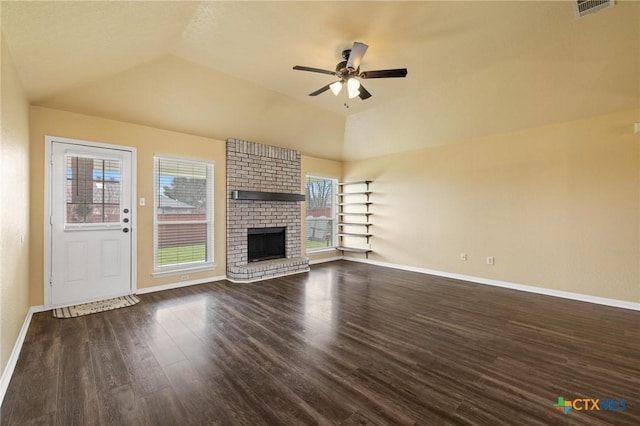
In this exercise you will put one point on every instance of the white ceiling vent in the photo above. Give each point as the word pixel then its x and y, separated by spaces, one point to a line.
pixel 584 7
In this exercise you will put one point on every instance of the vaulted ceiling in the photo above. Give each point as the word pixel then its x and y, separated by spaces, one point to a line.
pixel 224 69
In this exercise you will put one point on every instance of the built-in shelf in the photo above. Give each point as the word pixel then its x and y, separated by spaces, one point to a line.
pixel 353 234
pixel 349 241
pixel 354 249
pixel 355 182
pixel 362 203
pixel 354 224
pixel 341 194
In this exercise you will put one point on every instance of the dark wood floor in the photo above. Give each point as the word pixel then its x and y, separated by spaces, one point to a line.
pixel 347 343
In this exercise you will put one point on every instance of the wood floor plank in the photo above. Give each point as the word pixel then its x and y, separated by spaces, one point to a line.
pixel 109 365
pixel 163 408
pixel 195 394
pixel 119 406
pixel 132 334
pixel 33 394
pixel 347 343
pixel 77 402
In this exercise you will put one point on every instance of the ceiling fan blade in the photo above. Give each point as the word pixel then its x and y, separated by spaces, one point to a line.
pixel 320 90
pixel 321 71
pixel 364 93
pixel 400 72
pixel 355 57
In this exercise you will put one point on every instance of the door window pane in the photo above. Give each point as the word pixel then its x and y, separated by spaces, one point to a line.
pixel 92 190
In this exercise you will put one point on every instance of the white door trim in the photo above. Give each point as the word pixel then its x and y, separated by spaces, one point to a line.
pixel 48 144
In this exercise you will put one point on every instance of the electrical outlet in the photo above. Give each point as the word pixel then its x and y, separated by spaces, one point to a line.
pixel 490 260
pixel 463 256
pixel 184 277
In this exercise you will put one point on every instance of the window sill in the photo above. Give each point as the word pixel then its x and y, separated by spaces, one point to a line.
pixel 322 250
pixel 200 268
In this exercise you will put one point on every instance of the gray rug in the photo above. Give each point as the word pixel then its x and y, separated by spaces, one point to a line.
pixel 95 307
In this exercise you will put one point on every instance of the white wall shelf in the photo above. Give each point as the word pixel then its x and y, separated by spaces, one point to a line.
pixel 354 217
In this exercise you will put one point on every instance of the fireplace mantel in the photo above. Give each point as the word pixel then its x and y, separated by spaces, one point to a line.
pixel 266 196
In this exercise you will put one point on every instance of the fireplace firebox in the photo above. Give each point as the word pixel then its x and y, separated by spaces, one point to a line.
pixel 266 243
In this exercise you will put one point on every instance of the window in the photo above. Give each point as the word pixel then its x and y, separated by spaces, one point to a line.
pixel 92 190
pixel 183 224
pixel 320 215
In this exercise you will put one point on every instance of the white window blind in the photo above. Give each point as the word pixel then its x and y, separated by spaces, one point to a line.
pixel 183 225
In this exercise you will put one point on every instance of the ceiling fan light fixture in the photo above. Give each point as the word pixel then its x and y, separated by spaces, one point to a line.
pixel 353 86
pixel 335 87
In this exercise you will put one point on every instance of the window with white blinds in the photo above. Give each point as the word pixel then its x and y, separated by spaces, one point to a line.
pixel 183 223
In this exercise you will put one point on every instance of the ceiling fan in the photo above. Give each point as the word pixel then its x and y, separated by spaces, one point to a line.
pixel 348 73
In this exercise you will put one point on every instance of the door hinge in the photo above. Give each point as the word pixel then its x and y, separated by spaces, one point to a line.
pixel 50 282
pixel 50 220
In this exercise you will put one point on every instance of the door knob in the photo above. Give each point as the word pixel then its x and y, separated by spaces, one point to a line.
pixel 125 230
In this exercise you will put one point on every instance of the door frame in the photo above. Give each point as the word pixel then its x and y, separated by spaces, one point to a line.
pixel 48 182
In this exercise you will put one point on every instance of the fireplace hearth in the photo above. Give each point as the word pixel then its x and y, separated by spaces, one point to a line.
pixel 266 243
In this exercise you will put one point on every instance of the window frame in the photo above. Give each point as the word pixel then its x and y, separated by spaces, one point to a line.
pixel 85 226
pixel 208 263
pixel 333 217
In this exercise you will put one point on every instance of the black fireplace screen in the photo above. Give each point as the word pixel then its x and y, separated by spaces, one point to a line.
pixel 266 243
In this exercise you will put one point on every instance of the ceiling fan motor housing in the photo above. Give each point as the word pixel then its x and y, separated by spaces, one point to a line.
pixel 343 72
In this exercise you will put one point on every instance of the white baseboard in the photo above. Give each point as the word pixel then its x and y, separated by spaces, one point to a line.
pixel 324 260
pixel 521 287
pixel 39 308
pixel 15 353
pixel 179 284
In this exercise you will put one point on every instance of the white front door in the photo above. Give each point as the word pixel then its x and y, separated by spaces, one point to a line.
pixel 91 201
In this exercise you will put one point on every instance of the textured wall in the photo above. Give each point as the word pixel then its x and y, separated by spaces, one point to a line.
pixel 14 208
pixel 556 206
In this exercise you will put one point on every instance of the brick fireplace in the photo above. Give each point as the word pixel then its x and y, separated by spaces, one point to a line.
pixel 264 171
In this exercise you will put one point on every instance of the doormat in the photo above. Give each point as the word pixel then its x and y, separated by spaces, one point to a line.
pixel 95 307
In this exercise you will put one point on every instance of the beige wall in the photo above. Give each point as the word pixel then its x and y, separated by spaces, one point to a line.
pixel 318 167
pixel 147 141
pixel 14 208
pixel 557 206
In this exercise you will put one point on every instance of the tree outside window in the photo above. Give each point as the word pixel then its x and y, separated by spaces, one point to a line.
pixel 320 214
pixel 183 231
